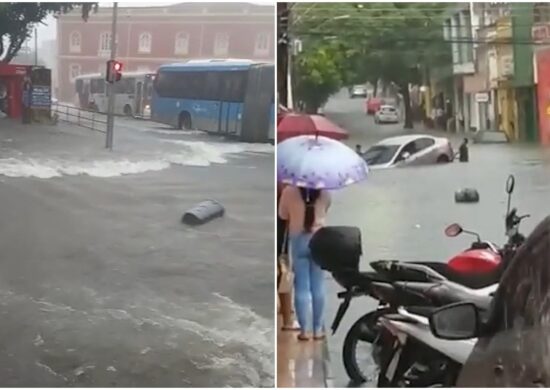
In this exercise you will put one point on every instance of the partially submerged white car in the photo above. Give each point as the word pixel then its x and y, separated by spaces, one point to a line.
pixel 407 150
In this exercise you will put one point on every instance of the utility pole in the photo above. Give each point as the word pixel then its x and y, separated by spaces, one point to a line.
pixel 111 86
pixel 283 42
pixel 35 46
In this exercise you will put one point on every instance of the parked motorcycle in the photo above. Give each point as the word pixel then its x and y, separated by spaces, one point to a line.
pixel 429 345
pixel 338 250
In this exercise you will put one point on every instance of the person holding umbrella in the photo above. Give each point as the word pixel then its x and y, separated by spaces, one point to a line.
pixel 310 166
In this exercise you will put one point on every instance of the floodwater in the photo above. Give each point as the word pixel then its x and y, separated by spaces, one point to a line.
pixel 100 283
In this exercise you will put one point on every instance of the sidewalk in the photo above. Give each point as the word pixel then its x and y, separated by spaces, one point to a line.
pixel 302 364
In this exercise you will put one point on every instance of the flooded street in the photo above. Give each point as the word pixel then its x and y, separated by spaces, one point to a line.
pixel 101 284
pixel 402 212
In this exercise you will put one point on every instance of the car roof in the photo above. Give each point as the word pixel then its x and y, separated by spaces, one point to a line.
pixel 387 106
pixel 403 139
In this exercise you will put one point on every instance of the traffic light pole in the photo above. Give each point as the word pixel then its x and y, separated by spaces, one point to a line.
pixel 111 86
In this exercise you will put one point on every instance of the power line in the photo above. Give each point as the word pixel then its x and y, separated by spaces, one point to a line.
pixel 428 40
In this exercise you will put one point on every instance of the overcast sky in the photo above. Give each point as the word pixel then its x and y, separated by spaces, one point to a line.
pixel 48 31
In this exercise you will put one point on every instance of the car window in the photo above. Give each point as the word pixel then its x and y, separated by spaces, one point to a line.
pixel 380 154
pixel 410 148
pixel 423 143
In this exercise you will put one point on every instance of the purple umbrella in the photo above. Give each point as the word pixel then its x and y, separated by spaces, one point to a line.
pixel 318 162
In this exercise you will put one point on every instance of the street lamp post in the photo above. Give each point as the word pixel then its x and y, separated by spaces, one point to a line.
pixel 111 86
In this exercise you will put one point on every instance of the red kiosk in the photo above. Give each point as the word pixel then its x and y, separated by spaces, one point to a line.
pixel 12 78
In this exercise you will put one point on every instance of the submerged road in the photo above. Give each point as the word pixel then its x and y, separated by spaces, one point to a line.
pixel 402 212
pixel 100 283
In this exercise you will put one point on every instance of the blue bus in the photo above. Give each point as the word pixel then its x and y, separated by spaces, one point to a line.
pixel 228 97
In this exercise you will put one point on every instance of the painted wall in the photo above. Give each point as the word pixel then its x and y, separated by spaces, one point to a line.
pixel 522 22
pixel 543 95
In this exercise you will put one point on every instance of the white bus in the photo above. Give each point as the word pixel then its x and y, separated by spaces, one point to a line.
pixel 133 93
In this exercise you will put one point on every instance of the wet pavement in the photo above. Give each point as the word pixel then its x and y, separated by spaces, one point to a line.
pixel 100 283
pixel 402 212
pixel 301 364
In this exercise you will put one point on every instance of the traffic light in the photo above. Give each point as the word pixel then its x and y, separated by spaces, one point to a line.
pixel 114 71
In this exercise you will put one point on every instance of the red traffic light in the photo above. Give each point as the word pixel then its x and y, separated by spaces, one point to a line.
pixel 114 71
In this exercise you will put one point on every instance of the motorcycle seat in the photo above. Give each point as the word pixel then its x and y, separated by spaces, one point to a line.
pixel 446 292
pixel 473 281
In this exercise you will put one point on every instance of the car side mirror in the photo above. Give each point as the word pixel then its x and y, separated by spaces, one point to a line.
pixel 405 156
pixel 453 230
pixel 458 321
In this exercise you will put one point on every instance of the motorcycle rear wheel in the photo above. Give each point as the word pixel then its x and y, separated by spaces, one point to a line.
pixel 363 330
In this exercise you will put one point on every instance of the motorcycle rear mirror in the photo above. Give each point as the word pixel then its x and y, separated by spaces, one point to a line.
pixel 453 230
pixel 458 321
pixel 510 184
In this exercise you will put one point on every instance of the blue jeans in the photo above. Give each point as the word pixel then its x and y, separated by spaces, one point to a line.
pixel 309 285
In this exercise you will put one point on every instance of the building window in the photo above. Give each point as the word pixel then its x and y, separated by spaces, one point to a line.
pixel 75 40
pixel 105 42
pixel 74 71
pixel 541 12
pixel 144 45
pixel 182 43
pixel 262 45
pixel 221 44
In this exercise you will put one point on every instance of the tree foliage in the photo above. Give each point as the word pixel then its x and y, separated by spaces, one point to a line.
pixel 318 76
pixel 392 42
pixel 18 19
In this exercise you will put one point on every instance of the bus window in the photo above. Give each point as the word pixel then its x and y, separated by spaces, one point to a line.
pixel 193 85
pixel 212 87
pixel 165 84
pixel 189 85
pixel 78 85
pixel 234 86
pixel 97 86
pixel 126 86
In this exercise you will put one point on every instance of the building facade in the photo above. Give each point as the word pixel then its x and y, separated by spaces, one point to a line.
pixel 148 37
pixel 458 30
pixel 541 63
pixel 494 85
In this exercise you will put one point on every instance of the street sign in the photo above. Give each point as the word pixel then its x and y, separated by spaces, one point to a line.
pixel 482 97
pixel 41 96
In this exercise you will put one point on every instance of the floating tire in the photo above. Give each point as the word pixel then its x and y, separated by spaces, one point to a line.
pixel 467 195
pixel 203 212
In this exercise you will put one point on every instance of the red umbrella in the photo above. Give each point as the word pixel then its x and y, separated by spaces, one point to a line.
pixel 292 125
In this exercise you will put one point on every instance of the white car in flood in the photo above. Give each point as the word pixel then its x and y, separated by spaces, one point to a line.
pixel 407 150
pixel 386 114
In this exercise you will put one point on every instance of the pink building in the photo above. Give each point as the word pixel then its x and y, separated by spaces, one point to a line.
pixel 148 37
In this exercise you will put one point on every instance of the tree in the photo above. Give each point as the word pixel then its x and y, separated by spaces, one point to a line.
pixel 392 42
pixel 18 19
pixel 317 77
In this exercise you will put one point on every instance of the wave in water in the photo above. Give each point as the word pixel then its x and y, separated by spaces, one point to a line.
pixel 192 153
